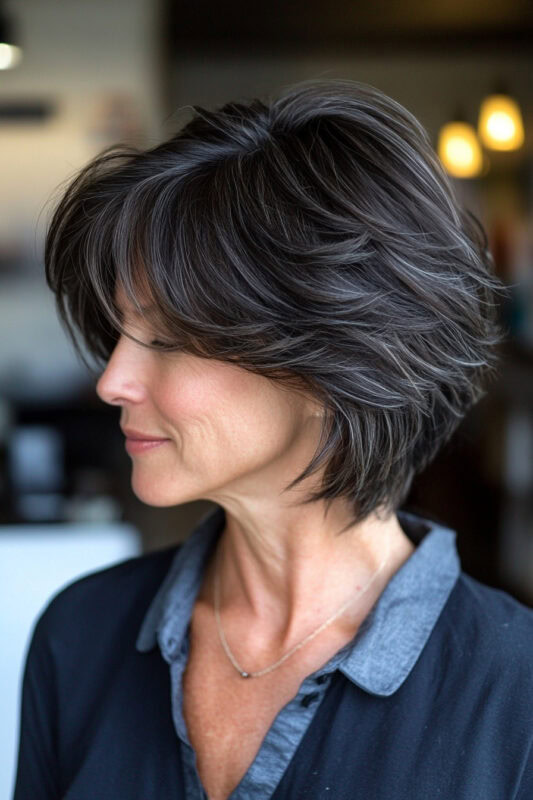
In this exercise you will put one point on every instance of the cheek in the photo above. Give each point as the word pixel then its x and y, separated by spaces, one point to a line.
pixel 225 407
pixel 184 392
pixel 178 404
pixel 255 424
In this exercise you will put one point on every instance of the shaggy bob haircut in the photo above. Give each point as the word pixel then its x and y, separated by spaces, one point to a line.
pixel 314 239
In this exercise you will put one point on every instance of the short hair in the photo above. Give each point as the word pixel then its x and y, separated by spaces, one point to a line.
pixel 313 238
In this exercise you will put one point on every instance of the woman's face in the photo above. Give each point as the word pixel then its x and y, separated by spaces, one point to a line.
pixel 227 431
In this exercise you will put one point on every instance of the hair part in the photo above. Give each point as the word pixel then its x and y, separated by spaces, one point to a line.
pixel 314 239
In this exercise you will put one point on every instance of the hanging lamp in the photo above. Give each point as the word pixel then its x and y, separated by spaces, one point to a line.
pixel 459 149
pixel 500 125
pixel 10 52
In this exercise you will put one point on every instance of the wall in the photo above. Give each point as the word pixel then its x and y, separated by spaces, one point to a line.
pixel 78 55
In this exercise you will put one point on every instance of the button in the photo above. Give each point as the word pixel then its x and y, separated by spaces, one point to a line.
pixel 170 645
pixel 322 679
pixel 309 698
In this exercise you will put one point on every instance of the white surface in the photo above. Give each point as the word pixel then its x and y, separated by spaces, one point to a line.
pixel 36 561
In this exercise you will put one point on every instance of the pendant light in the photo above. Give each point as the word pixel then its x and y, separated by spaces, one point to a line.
pixel 459 149
pixel 500 125
pixel 10 52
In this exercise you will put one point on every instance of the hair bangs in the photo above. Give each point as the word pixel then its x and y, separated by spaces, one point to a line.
pixel 316 240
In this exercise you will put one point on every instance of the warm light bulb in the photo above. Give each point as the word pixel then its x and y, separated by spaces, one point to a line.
pixel 10 55
pixel 458 149
pixel 500 123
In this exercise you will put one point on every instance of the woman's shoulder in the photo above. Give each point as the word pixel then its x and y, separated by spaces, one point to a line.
pixel 495 607
pixel 490 627
pixel 104 597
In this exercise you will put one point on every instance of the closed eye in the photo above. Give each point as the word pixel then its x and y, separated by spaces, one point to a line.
pixel 167 347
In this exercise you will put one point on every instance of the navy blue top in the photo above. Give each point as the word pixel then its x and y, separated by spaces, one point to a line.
pixel 431 698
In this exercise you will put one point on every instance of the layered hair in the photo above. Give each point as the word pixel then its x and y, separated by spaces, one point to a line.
pixel 313 238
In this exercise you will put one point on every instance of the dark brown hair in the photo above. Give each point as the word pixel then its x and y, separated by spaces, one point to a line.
pixel 314 239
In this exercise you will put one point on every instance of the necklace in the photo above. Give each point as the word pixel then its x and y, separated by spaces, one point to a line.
pixel 308 638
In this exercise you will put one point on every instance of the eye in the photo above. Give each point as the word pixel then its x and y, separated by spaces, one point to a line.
pixel 163 345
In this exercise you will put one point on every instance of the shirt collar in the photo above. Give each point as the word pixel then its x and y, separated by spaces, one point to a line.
pixel 391 638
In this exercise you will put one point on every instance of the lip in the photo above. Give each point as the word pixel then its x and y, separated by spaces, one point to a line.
pixel 130 433
pixel 140 445
pixel 137 442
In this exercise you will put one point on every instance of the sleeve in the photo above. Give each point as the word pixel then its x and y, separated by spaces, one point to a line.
pixel 37 773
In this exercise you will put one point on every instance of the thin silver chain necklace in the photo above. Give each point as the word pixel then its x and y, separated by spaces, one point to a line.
pixel 308 638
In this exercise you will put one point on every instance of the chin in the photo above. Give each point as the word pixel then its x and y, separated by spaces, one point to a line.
pixel 154 493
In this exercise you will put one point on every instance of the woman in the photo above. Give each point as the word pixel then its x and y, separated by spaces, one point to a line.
pixel 294 314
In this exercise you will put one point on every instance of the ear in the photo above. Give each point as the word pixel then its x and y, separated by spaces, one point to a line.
pixel 315 408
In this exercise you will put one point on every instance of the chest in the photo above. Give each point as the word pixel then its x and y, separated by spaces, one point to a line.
pixel 227 717
pixel 227 722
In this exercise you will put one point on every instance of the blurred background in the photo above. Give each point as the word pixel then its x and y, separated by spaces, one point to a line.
pixel 79 75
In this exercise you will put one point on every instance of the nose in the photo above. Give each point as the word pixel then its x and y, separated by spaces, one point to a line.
pixel 121 381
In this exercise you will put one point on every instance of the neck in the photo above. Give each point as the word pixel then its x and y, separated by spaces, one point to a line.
pixel 275 588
